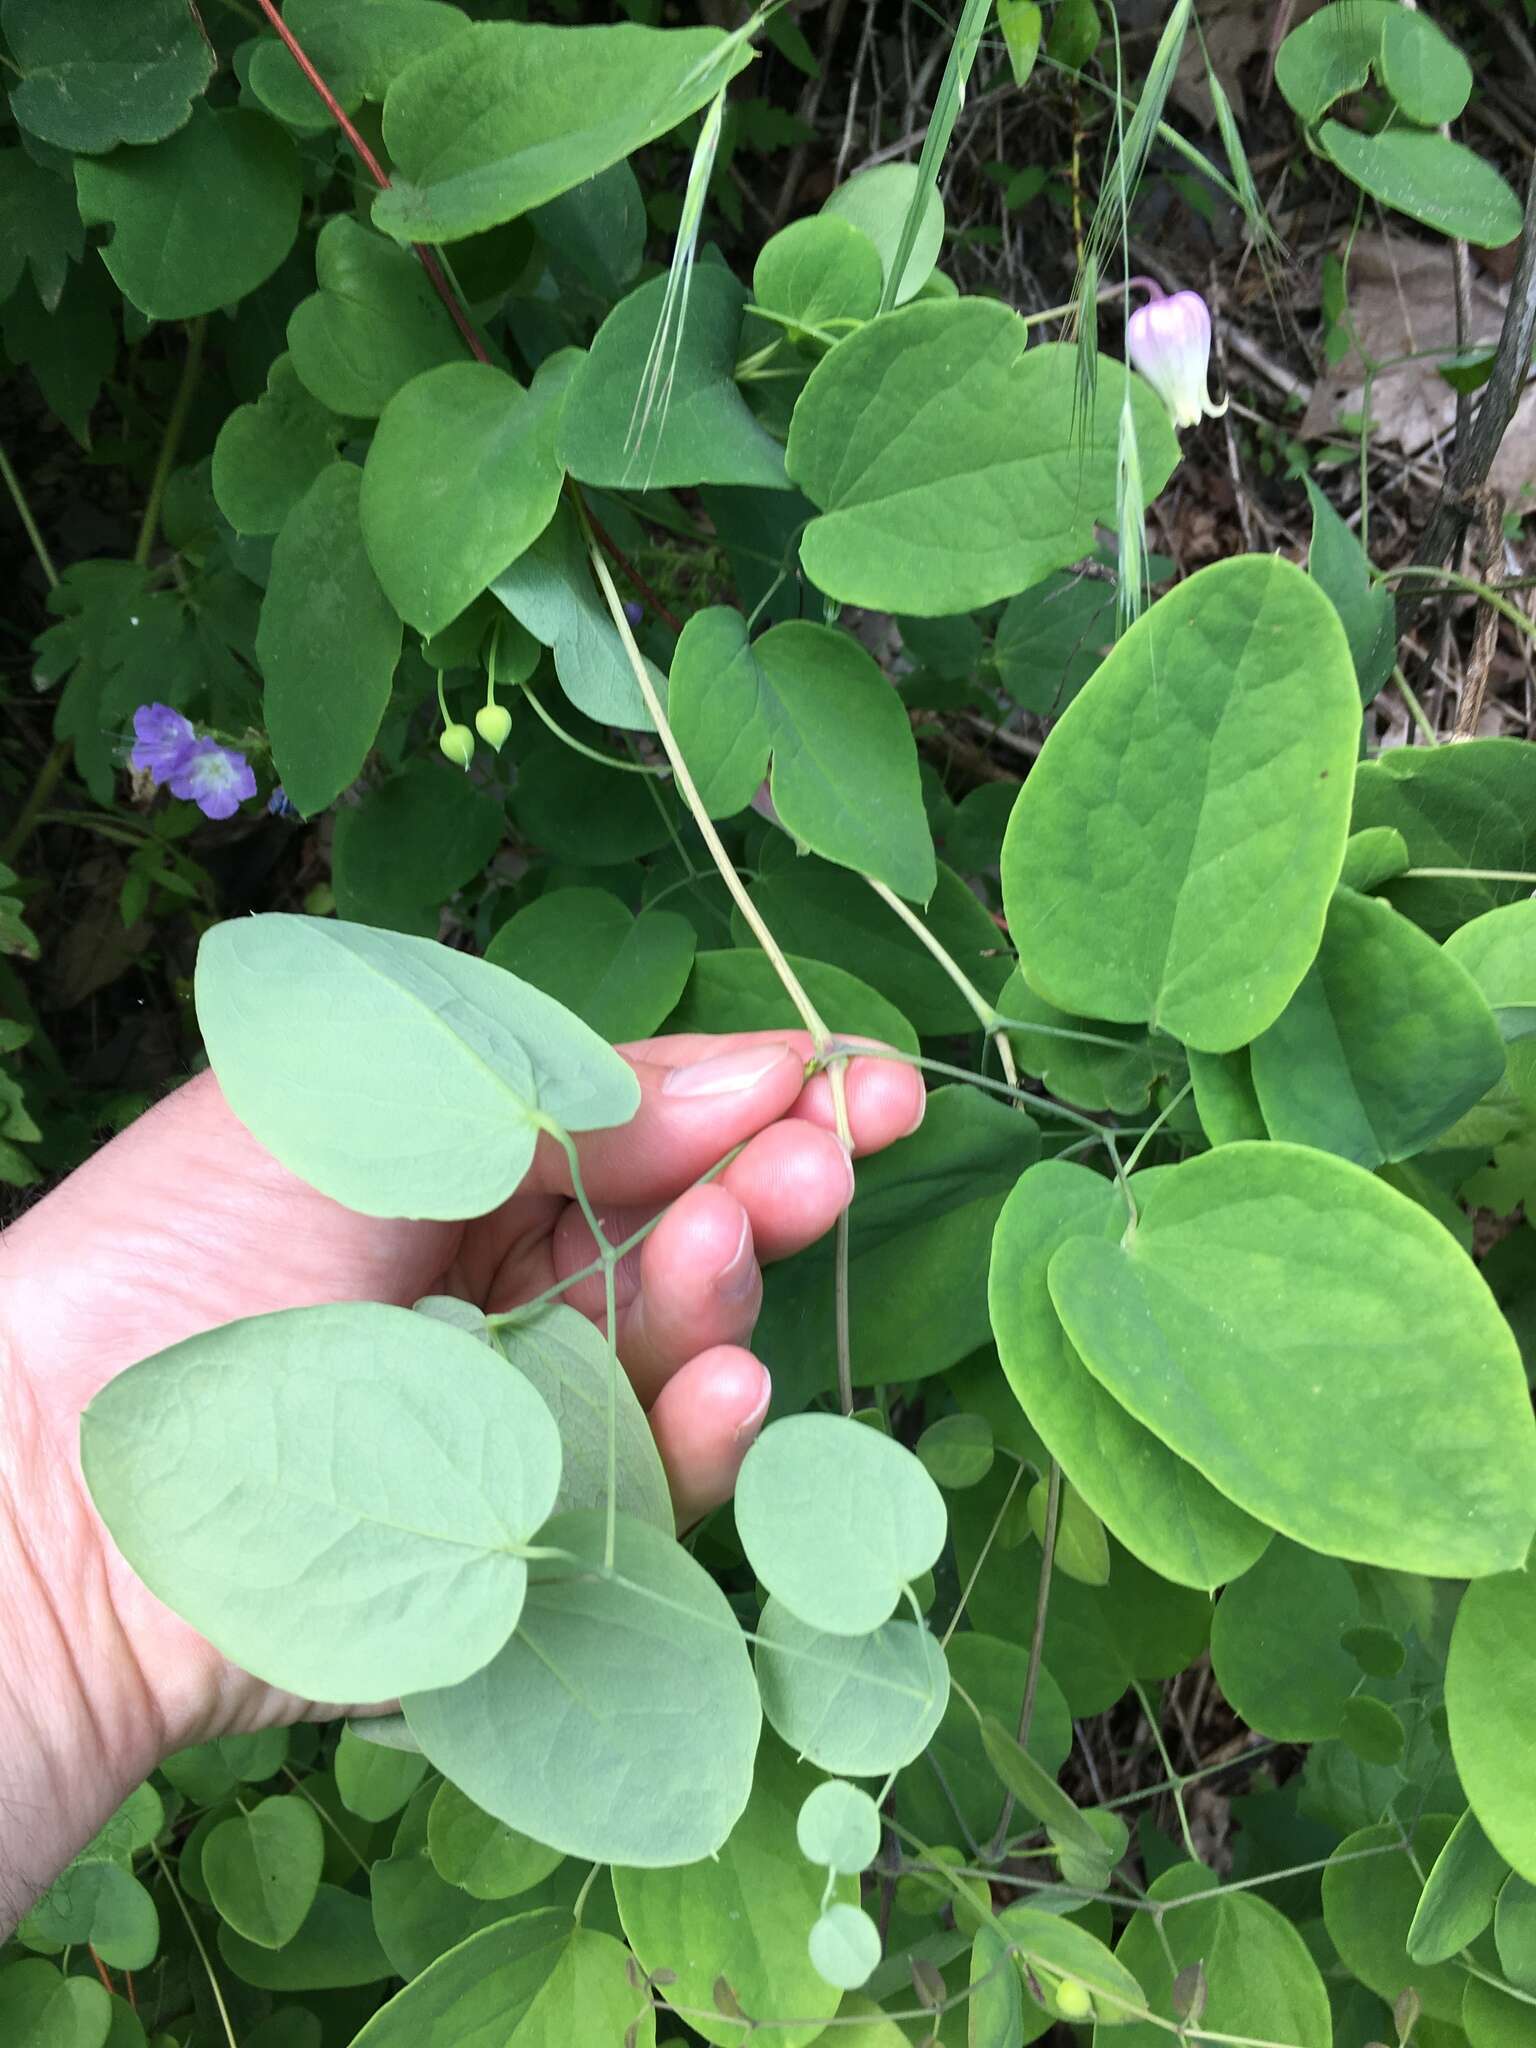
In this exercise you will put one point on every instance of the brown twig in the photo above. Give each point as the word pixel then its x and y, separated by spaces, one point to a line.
pixel 1474 688
pixel 1473 455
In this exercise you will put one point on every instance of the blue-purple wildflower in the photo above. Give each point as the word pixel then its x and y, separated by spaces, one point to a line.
pixel 169 751
pixel 633 612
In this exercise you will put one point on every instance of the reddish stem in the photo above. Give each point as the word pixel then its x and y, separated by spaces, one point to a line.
pixel 431 263
pixel 101 1970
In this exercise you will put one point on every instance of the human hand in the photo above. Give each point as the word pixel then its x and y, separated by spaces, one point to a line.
pixel 184 1222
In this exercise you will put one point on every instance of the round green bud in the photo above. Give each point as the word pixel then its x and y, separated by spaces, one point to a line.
pixel 458 743
pixel 1072 2001
pixel 493 722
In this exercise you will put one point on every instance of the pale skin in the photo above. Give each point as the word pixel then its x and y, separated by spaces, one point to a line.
pixel 184 1222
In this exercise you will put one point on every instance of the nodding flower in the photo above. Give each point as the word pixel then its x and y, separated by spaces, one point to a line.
pixel 1169 342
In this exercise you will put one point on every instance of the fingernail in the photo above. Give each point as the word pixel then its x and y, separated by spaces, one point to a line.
pixel 751 1424
pixel 738 1276
pixel 728 1073
pixel 922 1111
pixel 848 1166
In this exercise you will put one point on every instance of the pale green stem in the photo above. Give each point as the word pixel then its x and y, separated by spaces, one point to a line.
pixel 821 1038
pixel 197 1943
pixel 29 524
pixel 981 1009
pixel 577 746
pixel 1036 1641
pixel 1464 874
pixel 170 443
pixel 1419 715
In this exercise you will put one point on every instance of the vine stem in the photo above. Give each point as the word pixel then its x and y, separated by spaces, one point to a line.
pixel 170 442
pixel 47 779
pixel 197 1943
pixel 442 284
pixel 29 524
pixel 1036 1642
pixel 986 1016
pixel 821 1037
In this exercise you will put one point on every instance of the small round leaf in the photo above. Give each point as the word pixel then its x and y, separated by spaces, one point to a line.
pixel 845 1946
pixel 839 1825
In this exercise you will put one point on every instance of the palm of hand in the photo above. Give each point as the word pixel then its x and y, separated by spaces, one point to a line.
pixel 185 1222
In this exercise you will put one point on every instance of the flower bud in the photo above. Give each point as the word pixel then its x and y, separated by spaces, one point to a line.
pixel 458 743
pixel 1169 342
pixel 493 722
pixel 1072 2001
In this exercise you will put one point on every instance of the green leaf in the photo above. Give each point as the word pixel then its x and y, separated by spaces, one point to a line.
pixel 743 1915
pixel 418 1915
pixel 335 1947
pixel 1157 1504
pixel 1383 1418
pixel 949 464
pixel 569 1366
pixel 525 1983
pixel 876 202
pixel 374 1781
pixel 844 1947
pixel 200 219
pixel 988 1677
pixel 41 2009
pixel 549 590
pixel 820 269
pixel 1093 1075
pixel 509 115
pixel 1082 1548
pixel 1051 638
pixel 1369 1727
pixel 461 478
pixel 1056 1952
pixel 1037 1791
pixel 1472 805
pixel 740 991
pixel 1498 950
pixel 1459 1893
pixel 1422 68
pixel 829 914
pixel 540 1738
pixel 836 1520
pixel 1376 855
pixel 1487 1697
pixel 1275 1645
pixel 1020 22
pixel 39 225
pixel 957 1450
pixel 619 973
pixel 1514 1930
pixel 328 642
pixel 1330 54
pixel 1260 1980
pixel 103 1904
pixel 1428 177
pixel 1225 1100
pixel 1172 855
pixel 262 1869
pixel 268 454
pixel 1492 2018
pixel 698 429
pixel 357 50
pixel 1383 1046
pixel 1341 568
pixel 94 74
pixel 597 229
pixel 70 351
pixel 839 1826
pixel 374 324
pixel 320 1033
pixel 406 1557
pixel 859 1705
pixel 924 1211
pixel 480 1854
pixel 1370 1894
pixel 410 843
pixel 810 699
